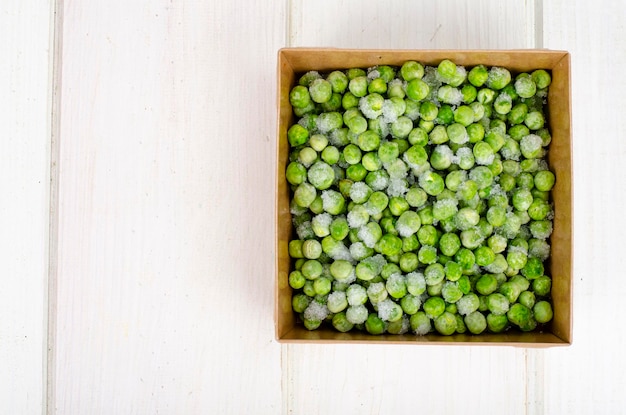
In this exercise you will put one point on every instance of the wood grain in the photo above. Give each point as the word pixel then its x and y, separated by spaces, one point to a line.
pixel 25 68
pixel 165 254
pixel 589 376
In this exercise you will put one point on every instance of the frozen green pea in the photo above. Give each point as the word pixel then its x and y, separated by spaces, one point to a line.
pixel 484 256
pixel 426 216
pixel 416 197
pixel 483 153
pixel 398 205
pixel 318 142
pixel 340 323
pixel 543 312
pixel 368 140
pixel 371 162
pixel 408 223
pixel 521 316
pixel 465 158
pixel 412 70
pixel 427 235
pixel 446 69
pixel 338 81
pixel 416 156
pixel 374 325
pixel 542 286
pixel 434 307
pixel 525 87
pixel 396 286
pixel 311 249
pixel 522 199
pixel 534 120
pixel 449 243
pixel 438 135
pixel 297 135
pixel 371 105
pixel 330 154
pixel 395 89
pixel 296 173
pixel 333 202
pixel 525 180
pixel 428 110
pixel 300 302
pixel 497 323
pixel 544 180
pixel 388 151
pixel 412 109
pixel 358 86
pixel 357 124
pixel 377 85
pixel 427 254
pixel 469 93
pixel 486 96
pixel 453 271
pixel 445 208
pixel 465 257
pixel 541 78
pixel 420 323
pixel 304 194
pixel 475 322
pixel 478 75
pixel 341 270
pixel 307 156
pixel 299 97
pixel 308 77
pixel 418 136
pixel 356 314
pixel 417 90
pixel 498 304
pixel 497 243
pixel 466 218
pixel 402 127
pixel 475 132
pixel 454 179
pixel 349 101
pixel 322 285
pixel 527 298
pixel 296 280
pixel 320 90
pixel 502 104
pixel 434 274
pixel 486 284
pixel 498 78
pixel 445 115
pixel 539 209
pixel 311 269
pixel 449 95
pixel 496 215
pixel 410 304
pixel 457 133
pixel 445 323
pixel 467 304
pixel 441 157
pixel 333 104
pixel 541 229
pixel 410 243
pixel 408 261
pixel 451 292
pixel 431 182
pixel 471 238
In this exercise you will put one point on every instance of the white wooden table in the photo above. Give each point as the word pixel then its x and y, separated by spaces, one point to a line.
pixel 138 142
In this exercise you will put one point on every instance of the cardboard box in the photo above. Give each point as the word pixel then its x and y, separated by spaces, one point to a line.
pixel 292 62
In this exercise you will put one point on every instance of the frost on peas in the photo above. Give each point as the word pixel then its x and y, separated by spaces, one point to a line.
pixel 357 314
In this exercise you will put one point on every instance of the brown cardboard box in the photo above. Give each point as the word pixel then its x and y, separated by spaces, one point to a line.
pixel 292 62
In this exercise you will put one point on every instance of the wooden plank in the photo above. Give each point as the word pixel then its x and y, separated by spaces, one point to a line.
pixel 408 24
pixel 25 68
pixel 399 379
pixel 165 268
pixel 589 376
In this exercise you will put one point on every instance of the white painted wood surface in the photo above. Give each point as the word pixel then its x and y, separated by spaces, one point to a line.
pixel 25 30
pixel 163 292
